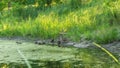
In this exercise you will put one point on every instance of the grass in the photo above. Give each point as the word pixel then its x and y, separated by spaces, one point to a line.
pixel 94 20
pixel 98 21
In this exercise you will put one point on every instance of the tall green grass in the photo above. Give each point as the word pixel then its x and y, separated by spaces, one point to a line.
pixel 93 20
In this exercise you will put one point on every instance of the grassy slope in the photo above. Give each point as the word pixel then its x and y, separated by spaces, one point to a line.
pixel 96 20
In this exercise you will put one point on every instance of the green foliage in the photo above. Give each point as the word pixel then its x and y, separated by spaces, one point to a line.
pixel 2 5
pixel 25 13
pixel 76 3
pixel 104 35
pixel 24 2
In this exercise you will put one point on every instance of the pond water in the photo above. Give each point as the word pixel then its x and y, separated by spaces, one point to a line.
pixel 46 56
pixel 59 64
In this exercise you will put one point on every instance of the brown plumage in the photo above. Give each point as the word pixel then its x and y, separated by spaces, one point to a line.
pixel 59 43
pixel 39 42
pixel 52 41
pixel 19 42
pixel 65 40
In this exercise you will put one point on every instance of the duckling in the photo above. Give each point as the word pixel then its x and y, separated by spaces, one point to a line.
pixel 65 40
pixel 39 42
pixel 52 41
pixel 59 42
pixel 18 42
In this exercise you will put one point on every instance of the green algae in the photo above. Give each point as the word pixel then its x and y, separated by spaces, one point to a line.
pixel 48 56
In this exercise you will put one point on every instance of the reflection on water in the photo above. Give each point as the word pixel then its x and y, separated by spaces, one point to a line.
pixel 12 65
pixel 55 64
pixel 43 64
pixel 84 58
pixel 58 64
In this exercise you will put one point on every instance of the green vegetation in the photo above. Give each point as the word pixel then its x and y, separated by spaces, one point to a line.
pixel 90 19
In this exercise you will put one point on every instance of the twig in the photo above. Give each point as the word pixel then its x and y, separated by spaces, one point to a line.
pixel 24 58
pixel 105 50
